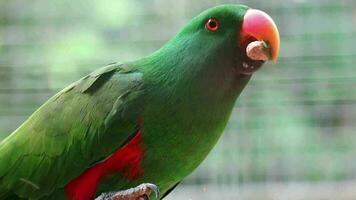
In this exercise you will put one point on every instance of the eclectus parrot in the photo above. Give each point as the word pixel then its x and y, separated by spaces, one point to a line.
pixel 134 127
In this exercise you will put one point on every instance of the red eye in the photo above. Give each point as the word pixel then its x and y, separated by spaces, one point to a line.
pixel 212 25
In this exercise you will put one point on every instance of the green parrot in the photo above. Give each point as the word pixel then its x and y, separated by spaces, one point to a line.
pixel 134 127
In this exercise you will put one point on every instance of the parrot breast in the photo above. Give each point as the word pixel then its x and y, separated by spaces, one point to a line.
pixel 126 161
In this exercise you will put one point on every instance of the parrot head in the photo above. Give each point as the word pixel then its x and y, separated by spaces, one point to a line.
pixel 231 36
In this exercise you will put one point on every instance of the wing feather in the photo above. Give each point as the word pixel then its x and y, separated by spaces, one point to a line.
pixel 84 122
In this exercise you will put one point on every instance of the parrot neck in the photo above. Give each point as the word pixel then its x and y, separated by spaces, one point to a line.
pixel 189 64
pixel 190 95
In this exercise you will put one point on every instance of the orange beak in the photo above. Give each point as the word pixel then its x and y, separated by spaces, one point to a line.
pixel 259 25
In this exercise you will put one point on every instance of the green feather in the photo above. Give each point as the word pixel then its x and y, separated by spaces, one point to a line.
pixel 184 93
pixel 65 136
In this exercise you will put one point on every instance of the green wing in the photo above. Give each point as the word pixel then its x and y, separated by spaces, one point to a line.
pixel 82 124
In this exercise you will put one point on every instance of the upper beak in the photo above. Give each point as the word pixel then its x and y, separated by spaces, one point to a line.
pixel 259 25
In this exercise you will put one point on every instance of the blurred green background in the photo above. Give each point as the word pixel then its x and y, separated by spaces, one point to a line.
pixel 293 132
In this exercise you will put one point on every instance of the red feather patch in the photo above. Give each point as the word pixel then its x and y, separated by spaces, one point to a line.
pixel 126 161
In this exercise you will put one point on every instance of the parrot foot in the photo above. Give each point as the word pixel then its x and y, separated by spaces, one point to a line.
pixel 141 192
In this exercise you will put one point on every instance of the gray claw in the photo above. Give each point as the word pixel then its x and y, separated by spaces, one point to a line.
pixel 154 188
pixel 140 191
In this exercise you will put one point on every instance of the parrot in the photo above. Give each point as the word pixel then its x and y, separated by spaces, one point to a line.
pixel 136 129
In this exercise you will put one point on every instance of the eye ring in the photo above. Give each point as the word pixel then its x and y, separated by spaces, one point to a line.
pixel 212 25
